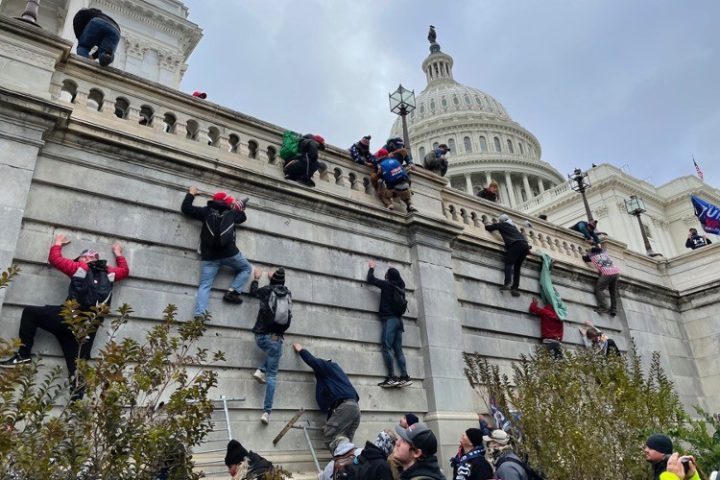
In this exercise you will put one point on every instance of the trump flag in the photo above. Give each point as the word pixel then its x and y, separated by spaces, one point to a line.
pixel 708 214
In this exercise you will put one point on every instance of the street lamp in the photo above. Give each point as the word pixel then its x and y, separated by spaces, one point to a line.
pixel 636 206
pixel 30 14
pixel 580 182
pixel 402 102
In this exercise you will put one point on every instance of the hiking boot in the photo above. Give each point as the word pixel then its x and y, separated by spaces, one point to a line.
pixel 389 382
pixel 411 209
pixel 612 312
pixel 515 292
pixel 259 376
pixel 265 418
pixel 404 381
pixel 506 287
pixel 16 359
pixel 231 296
pixel 308 182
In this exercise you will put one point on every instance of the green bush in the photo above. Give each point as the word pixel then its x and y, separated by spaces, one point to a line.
pixel 585 416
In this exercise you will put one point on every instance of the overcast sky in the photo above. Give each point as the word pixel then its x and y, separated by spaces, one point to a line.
pixel 631 83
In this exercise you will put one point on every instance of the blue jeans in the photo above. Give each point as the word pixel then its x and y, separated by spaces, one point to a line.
pixel 273 349
pixel 392 331
pixel 100 33
pixel 209 270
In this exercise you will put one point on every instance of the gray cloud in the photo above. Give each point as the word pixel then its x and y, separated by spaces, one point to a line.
pixel 596 81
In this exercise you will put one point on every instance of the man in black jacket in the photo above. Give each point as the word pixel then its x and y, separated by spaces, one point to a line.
pixel 658 448
pixel 392 291
pixel 305 164
pixel 696 241
pixel 239 460
pixel 273 320
pixel 516 249
pixel 372 463
pixel 415 451
pixel 93 28
pixel 335 395
pixel 215 251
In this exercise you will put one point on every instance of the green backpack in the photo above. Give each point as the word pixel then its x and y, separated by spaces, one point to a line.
pixel 290 147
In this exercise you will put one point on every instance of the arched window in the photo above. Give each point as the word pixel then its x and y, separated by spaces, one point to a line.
pixel 456 101
pixel 68 91
pixel 121 107
pixel 451 144
pixel 468 144
pixel 421 151
pixel 432 105
pixel 95 99
pixel 483 144
pixel 467 99
pixel 146 115
pixel 191 130
pixel 422 108
pixel 444 102
pixel 234 142
pixel 497 144
pixel 522 150
pixel 169 122
pixel 213 136
pixel 510 146
pixel 477 100
pixel 435 145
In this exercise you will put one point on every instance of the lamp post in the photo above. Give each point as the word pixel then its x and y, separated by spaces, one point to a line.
pixel 635 206
pixel 30 14
pixel 402 102
pixel 580 182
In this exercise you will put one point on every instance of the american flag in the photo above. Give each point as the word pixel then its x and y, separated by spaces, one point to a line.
pixel 698 170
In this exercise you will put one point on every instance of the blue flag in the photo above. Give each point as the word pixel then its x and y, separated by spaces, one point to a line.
pixel 708 214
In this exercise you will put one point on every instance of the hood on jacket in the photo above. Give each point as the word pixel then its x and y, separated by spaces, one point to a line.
pixel 393 276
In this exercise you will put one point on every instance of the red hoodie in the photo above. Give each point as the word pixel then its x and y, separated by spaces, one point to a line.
pixel 550 325
pixel 71 267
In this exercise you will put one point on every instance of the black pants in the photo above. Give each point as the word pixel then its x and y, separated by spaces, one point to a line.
pixel 514 258
pixel 301 168
pixel 48 318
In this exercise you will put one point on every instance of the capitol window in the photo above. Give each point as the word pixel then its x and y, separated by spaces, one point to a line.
pixel 451 144
pixel 496 140
pixel 468 144
pixel 444 102
pixel 422 108
pixel 510 146
pixel 467 100
pixel 477 99
pixel 435 145
pixel 421 150
pixel 520 146
pixel 456 100
pixel 432 104
pixel 483 144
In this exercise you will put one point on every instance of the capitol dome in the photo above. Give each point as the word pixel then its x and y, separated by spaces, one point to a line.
pixel 486 144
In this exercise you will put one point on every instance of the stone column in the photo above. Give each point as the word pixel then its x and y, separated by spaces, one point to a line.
pixel 510 190
pixel 468 184
pixel 23 121
pixel 488 178
pixel 541 185
pixel 449 395
pixel 526 185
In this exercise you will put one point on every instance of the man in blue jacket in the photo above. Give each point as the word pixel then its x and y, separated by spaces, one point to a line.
pixel 335 395
pixel 93 28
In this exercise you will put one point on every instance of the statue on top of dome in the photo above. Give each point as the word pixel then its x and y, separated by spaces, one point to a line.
pixel 432 35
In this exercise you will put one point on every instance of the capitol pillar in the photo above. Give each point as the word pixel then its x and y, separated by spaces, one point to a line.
pixel 526 185
pixel 488 178
pixel 510 189
pixel 541 185
pixel 468 184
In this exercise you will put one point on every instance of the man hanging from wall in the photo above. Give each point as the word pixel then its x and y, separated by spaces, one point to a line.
pixel 93 28
pixel 608 279
pixel 335 395
pixel 91 284
pixel 393 305
pixel 551 327
pixel 393 180
pixel 516 249
pixel 436 160
pixel 588 230
pixel 303 166
pixel 273 319
pixel 217 245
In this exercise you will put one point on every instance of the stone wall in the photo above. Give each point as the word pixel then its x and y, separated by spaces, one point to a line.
pixel 79 169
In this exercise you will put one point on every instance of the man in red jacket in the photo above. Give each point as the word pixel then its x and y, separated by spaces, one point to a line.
pixel 551 327
pixel 83 270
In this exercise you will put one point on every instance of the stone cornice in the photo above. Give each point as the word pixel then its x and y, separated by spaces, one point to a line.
pixel 493 163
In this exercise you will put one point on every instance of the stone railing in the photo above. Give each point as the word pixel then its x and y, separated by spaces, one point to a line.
pixel 154 114
pixel 544 197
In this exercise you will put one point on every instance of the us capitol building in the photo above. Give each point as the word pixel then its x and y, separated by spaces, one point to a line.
pixel 488 145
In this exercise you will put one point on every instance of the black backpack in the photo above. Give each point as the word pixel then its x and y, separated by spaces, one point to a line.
pixel 95 288
pixel 531 474
pixel 218 231
pixel 398 302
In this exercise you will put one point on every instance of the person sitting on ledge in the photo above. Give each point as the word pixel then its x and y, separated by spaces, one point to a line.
pixel 93 28
pixel 394 181
pixel 588 230
pixel 490 192
pixel 435 161
pixel 360 152
pixel 302 168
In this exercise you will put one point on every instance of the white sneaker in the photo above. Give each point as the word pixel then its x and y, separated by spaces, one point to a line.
pixel 259 376
pixel 265 419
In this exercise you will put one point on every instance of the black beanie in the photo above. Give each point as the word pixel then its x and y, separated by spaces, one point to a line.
pixel 278 278
pixel 236 453
pixel 475 436
pixel 411 419
pixel 660 443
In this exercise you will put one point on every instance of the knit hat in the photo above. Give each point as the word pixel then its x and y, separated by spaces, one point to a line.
pixel 382 153
pixel 660 443
pixel 475 436
pixel 385 441
pixel 442 145
pixel 498 436
pixel 319 139
pixel 220 196
pixel 278 277
pixel 88 252
pixel 236 453
pixel 199 94
pixel 411 419
pixel 419 436
pixel 503 218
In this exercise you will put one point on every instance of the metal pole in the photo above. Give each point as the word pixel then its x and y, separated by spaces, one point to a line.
pixel 406 136
pixel 30 15
pixel 646 241
pixel 312 450
pixel 227 416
